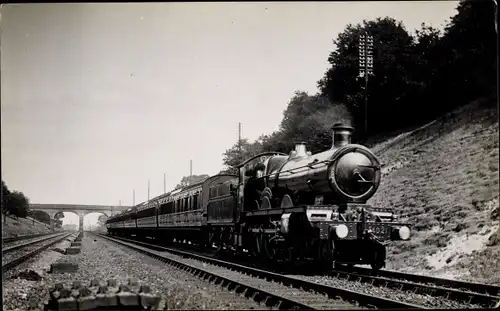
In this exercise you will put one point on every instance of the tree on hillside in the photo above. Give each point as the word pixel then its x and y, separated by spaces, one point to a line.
pixel 238 153
pixel 18 204
pixel 5 200
pixel 306 119
pixel 40 216
pixel 388 89
pixel 58 219
pixel 101 220
pixel 468 54
pixel 416 78
pixel 188 180
pixel 14 202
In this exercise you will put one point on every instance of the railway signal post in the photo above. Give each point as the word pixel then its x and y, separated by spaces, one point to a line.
pixel 365 68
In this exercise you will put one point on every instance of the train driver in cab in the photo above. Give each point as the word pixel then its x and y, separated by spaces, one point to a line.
pixel 254 186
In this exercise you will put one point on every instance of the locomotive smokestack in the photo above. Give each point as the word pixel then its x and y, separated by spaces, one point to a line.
pixel 300 149
pixel 341 135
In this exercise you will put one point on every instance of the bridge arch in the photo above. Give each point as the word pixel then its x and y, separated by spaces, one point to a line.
pixel 80 210
pixel 91 220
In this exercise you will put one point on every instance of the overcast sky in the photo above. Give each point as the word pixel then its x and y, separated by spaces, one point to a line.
pixel 99 98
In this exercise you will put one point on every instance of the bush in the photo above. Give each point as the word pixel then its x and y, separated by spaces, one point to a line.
pixel 14 203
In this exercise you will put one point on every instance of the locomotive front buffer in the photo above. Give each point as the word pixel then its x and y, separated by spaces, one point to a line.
pixel 351 234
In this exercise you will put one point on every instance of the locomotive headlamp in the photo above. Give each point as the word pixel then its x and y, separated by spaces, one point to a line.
pixel 341 231
pixel 404 233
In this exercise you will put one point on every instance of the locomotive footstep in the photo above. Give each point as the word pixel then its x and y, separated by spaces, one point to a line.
pixel 102 295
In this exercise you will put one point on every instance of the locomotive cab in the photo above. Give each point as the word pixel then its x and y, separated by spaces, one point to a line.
pixel 253 180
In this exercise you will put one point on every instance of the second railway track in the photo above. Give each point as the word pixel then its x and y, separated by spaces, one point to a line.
pixel 27 251
pixel 17 244
pixel 487 289
pixel 23 237
pixel 478 294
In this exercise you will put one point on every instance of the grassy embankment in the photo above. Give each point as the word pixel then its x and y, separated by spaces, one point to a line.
pixel 13 227
pixel 444 177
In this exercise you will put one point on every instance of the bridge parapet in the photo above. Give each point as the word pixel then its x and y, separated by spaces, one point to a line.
pixel 80 210
pixel 68 207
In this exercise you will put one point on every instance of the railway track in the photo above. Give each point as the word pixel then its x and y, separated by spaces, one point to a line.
pixel 28 250
pixel 274 289
pixel 10 248
pixel 480 288
pixel 453 294
pixel 474 293
pixel 23 237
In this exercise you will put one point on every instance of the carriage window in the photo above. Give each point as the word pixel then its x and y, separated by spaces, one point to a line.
pixel 195 201
pixel 224 190
pixel 166 208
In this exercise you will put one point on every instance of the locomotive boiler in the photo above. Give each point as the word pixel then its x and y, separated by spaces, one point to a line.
pixel 305 206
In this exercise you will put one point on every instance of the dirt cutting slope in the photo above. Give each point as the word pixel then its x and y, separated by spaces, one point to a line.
pixel 443 177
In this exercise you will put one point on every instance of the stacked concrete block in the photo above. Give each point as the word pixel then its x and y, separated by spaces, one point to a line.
pixel 72 250
pixel 63 267
pixel 100 294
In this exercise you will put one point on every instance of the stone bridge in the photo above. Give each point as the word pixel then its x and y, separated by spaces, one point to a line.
pixel 80 210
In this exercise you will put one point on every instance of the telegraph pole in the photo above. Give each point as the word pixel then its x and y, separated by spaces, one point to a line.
pixel 239 136
pixel 164 183
pixel 148 188
pixel 366 68
pixel 495 5
pixel 190 169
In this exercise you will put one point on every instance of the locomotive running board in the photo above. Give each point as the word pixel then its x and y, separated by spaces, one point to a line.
pixel 276 211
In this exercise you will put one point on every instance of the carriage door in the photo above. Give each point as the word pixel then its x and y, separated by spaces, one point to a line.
pixel 240 198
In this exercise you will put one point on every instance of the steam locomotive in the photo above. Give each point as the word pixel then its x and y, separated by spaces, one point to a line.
pixel 280 208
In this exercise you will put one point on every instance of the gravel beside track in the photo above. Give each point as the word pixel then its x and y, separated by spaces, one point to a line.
pixel 105 260
pixel 23 294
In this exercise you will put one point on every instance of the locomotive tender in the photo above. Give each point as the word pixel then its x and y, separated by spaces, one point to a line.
pixel 281 208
